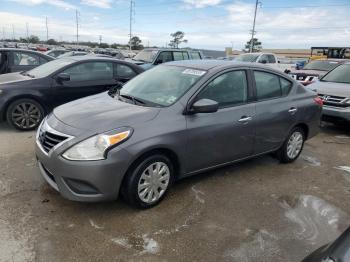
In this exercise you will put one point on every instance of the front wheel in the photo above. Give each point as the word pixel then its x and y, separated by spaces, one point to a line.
pixel 24 114
pixel 293 146
pixel 147 184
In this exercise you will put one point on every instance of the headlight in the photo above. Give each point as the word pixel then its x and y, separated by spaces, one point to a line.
pixel 96 147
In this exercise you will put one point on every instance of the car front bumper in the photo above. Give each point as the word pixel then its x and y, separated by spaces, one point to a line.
pixel 85 181
pixel 336 113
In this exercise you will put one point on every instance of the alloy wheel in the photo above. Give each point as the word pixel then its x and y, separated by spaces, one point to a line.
pixel 26 115
pixel 295 144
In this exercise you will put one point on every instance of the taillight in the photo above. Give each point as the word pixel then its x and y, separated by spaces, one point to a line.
pixel 318 101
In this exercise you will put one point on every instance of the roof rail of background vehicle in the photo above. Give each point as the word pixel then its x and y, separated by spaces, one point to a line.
pixel 210 64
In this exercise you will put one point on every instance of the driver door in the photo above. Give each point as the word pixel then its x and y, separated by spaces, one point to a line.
pixel 87 78
pixel 228 134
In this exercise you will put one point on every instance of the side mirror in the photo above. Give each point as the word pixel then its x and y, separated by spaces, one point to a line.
pixel 158 62
pixel 63 77
pixel 115 89
pixel 205 106
pixel 263 61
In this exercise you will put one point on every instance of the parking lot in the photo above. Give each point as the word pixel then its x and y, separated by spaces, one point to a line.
pixel 258 210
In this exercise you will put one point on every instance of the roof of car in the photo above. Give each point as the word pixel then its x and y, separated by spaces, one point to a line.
pixel 25 50
pixel 210 64
pixel 169 49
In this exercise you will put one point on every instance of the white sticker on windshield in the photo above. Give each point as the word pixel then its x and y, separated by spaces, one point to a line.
pixel 193 72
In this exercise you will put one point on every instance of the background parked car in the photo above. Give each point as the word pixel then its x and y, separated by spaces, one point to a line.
pixel 314 70
pixel 150 57
pixel 56 52
pixel 25 98
pixel 73 53
pixel 268 59
pixel 334 90
pixel 16 60
pixel 222 111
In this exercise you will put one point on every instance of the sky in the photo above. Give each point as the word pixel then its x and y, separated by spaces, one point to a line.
pixel 208 24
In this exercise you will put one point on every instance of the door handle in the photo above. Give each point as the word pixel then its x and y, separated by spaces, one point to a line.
pixel 293 110
pixel 244 119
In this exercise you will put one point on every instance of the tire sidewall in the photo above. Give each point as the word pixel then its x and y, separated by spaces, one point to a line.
pixel 131 189
pixel 283 154
pixel 12 106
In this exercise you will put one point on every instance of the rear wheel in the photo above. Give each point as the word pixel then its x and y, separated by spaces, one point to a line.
pixel 147 184
pixel 24 114
pixel 293 146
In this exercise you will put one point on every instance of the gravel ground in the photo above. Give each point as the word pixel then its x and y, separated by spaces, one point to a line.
pixel 258 210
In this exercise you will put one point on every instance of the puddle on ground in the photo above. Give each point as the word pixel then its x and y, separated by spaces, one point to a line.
pixel 311 160
pixel 261 246
pixel 347 171
pixel 317 220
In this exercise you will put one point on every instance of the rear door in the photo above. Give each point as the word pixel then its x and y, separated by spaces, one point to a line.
pixel 86 78
pixel 228 134
pixel 275 111
pixel 23 61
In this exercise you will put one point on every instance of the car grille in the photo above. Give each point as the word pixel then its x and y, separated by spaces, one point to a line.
pixel 336 101
pixel 49 139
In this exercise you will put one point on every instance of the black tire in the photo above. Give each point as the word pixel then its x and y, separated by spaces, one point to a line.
pixel 24 114
pixel 130 185
pixel 282 154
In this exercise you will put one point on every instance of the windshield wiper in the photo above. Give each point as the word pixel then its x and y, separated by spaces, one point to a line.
pixel 132 98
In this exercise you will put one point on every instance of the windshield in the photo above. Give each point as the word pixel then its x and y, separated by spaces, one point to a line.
pixel 146 56
pixel 321 65
pixel 162 85
pixel 340 75
pixel 247 58
pixel 49 68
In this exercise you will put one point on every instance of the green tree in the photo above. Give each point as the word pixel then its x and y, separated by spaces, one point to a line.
pixel 178 38
pixel 135 43
pixel 34 39
pixel 256 45
pixel 103 45
pixel 51 42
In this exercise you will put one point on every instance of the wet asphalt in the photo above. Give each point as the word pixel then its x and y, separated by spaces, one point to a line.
pixel 258 210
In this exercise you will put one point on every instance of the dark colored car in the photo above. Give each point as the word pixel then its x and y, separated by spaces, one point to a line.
pixel 16 60
pixel 151 57
pixel 334 90
pixel 56 52
pixel 170 122
pixel 314 70
pixel 338 251
pixel 25 98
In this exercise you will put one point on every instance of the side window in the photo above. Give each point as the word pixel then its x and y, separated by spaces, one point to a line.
pixel 271 59
pixel 165 57
pixel 178 56
pixel 285 86
pixel 91 71
pixel 24 59
pixel 195 55
pixel 185 55
pixel 43 60
pixel 227 89
pixel 267 85
pixel 124 71
pixel 263 58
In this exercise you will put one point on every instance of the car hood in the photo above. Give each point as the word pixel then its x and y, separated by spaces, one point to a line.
pixel 100 113
pixel 331 88
pixel 13 77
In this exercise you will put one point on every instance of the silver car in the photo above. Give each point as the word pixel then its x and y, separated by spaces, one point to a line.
pixel 334 90
pixel 173 121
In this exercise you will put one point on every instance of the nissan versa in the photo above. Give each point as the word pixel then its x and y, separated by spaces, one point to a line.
pixel 173 121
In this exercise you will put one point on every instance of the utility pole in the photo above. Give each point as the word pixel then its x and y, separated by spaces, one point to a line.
pixel 131 17
pixel 3 33
pixel 253 31
pixel 27 28
pixel 13 32
pixel 100 39
pixel 47 30
pixel 77 22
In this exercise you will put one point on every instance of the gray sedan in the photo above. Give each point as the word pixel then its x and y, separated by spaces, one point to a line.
pixel 334 89
pixel 173 121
